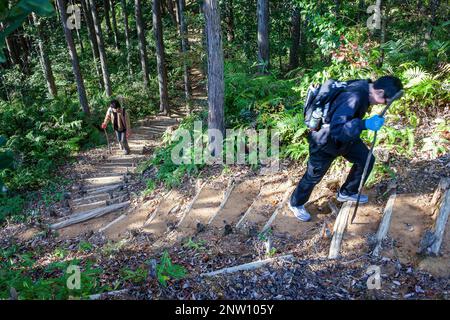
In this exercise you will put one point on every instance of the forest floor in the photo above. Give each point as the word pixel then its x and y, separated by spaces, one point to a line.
pixel 216 220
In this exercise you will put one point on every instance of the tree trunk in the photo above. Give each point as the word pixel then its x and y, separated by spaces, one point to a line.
pixel 74 57
pixel 107 19
pixel 263 36
pixel 160 57
pixel 101 49
pixel 293 56
pixel 45 62
pixel 92 39
pixel 10 46
pixel 184 49
pixel 230 20
pixel 127 35
pixel 171 10
pixel 216 85
pixel 114 25
pixel 142 42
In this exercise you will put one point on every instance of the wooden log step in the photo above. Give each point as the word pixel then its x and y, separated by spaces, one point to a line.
pixel 84 216
pixel 103 181
pixel 90 199
pixel 103 189
pixel 339 228
pixel 206 204
pixel 384 225
pixel 279 207
pixel 89 206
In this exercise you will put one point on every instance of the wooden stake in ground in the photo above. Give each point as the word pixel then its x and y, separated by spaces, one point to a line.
pixel 339 228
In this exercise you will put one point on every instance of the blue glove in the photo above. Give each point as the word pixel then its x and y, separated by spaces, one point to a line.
pixel 374 123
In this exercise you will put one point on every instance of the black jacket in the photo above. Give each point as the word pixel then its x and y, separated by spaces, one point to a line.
pixel 346 123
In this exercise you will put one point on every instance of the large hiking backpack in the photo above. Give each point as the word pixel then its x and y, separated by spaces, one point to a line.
pixel 318 102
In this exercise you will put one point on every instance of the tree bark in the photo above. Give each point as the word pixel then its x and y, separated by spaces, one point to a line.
pixel 45 62
pixel 160 57
pixel 101 49
pixel 114 25
pixel 74 57
pixel 263 36
pixel 142 42
pixel 107 19
pixel 216 85
pixel 127 35
pixel 184 49
pixel 293 54
pixel 92 39
pixel 171 9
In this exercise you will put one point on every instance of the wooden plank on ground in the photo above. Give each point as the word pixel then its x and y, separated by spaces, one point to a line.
pixel 81 217
pixel 280 206
pixel 248 266
pixel 441 201
pixel 384 225
pixel 339 228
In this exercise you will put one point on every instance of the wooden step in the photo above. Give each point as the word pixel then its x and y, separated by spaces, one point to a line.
pixel 84 216
pixel 204 206
pixel 236 203
pixel 103 181
pixel 263 205
pixel 89 206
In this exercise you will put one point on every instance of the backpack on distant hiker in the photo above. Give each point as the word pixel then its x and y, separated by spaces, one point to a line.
pixel 318 101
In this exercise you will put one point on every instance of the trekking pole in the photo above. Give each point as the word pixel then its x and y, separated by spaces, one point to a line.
pixel 107 141
pixel 366 167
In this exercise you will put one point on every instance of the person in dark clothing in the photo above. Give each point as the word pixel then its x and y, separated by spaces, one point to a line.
pixel 341 137
pixel 120 120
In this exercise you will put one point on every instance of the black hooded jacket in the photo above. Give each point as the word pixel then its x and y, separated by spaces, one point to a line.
pixel 346 123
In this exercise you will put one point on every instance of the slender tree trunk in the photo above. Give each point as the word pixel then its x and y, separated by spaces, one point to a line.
pixel 45 62
pixel 184 49
pixel 107 19
pixel 230 20
pixel 74 57
pixel 171 9
pixel 216 85
pixel 13 54
pixel 127 35
pixel 263 36
pixel 114 25
pixel 101 49
pixel 160 57
pixel 142 42
pixel 92 40
pixel 293 54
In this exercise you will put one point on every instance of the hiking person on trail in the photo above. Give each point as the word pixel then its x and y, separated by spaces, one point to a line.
pixel 120 120
pixel 338 135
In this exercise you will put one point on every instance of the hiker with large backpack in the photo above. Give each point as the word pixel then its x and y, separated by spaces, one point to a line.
pixel 120 120
pixel 334 114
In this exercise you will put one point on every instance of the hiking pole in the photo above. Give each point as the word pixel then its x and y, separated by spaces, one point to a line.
pixel 107 141
pixel 366 167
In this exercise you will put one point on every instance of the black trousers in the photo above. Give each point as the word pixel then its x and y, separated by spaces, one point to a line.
pixel 320 160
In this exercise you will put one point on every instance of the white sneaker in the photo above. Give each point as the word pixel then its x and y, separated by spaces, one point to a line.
pixel 300 213
pixel 352 198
